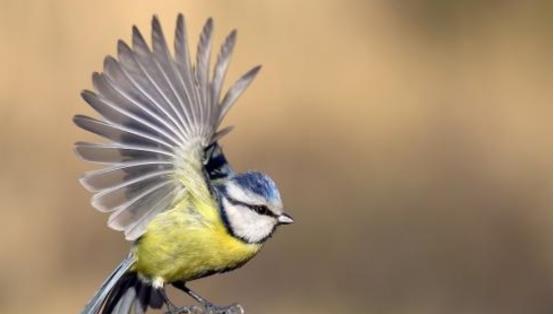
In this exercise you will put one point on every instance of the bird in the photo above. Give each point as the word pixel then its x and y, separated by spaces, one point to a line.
pixel 162 175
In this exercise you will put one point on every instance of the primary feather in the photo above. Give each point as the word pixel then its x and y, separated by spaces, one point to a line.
pixel 160 115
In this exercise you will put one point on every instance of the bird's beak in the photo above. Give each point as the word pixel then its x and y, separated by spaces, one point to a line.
pixel 284 219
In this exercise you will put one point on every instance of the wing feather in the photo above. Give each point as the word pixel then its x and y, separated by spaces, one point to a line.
pixel 101 179
pixel 203 65
pixel 114 152
pixel 156 69
pixel 168 67
pixel 156 84
pixel 117 95
pixel 160 116
pixel 127 83
pixel 139 205
pixel 119 116
pixel 136 220
pixel 110 197
pixel 120 134
pixel 236 90
pixel 222 63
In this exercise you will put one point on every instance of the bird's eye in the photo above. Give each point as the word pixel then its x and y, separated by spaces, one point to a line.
pixel 262 210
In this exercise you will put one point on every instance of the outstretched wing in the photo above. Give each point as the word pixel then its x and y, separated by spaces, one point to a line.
pixel 160 115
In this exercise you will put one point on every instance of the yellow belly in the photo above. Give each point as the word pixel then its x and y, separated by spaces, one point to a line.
pixel 179 246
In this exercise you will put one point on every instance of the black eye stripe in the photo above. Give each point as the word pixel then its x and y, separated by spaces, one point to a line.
pixel 260 209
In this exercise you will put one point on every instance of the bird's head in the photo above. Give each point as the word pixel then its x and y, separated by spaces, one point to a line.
pixel 251 206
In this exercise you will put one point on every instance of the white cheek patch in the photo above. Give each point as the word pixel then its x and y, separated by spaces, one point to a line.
pixel 247 224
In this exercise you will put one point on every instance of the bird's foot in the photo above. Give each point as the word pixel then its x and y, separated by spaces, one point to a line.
pixel 229 309
pixel 207 309
pixel 193 309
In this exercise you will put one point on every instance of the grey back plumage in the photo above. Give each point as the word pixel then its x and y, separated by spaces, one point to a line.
pixel 157 112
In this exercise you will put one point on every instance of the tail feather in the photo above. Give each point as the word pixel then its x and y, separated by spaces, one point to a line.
pixel 123 292
pixel 95 304
pixel 124 303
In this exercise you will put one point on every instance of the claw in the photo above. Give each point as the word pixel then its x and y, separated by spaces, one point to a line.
pixel 230 309
pixel 193 309
pixel 208 307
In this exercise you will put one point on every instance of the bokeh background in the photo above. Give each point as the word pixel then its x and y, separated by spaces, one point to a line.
pixel 411 141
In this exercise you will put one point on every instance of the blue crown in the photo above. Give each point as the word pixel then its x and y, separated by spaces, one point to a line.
pixel 259 184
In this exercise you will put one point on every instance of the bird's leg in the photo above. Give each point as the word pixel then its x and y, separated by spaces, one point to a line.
pixel 174 309
pixel 171 308
pixel 209 307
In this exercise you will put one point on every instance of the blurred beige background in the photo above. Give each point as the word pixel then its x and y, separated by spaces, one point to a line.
pixel 411 141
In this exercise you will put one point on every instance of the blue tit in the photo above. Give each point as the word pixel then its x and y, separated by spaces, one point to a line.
pixel 164 179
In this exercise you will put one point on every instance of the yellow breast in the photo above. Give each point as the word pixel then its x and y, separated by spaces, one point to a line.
pixel 184 244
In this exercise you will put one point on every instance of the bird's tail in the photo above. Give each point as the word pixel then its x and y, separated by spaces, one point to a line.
pixel 123 292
